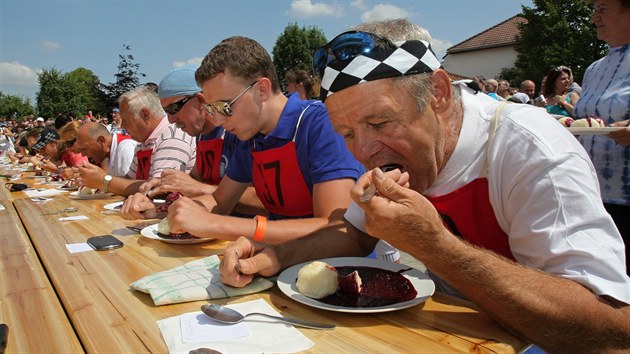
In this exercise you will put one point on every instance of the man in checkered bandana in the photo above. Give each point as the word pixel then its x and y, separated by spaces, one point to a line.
pixel 497 199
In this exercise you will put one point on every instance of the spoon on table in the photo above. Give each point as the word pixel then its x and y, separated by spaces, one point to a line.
pixel 227 315
pixel 66 210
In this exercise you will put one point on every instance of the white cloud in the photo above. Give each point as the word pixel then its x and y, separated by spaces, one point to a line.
pixel 306 8
pixel 382 12
pixel 359 4
pixel 195 61
pixel 49 45
pixel 17 75
pixel 439 47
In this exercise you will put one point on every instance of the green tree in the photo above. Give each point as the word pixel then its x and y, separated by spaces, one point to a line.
pixel 14 107
pixel 76 91
pixel 127 78
pixel 557 32
pixel 53 93
pixel 294 49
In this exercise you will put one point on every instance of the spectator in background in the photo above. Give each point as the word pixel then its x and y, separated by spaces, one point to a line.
pixel 302 82
pixel 606 95
pixel 89 117
pixel 40 122
pixel 528 87
pixel 481 83
pixel 116 125
pixel 556 92
pixel 61 120
pixel 503 89
pixel 491 89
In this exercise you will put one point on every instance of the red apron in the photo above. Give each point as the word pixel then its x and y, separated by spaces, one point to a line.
pixel 121 137
pixel 278 180
pixel 467 213
pixel 209 154
pixel 144 164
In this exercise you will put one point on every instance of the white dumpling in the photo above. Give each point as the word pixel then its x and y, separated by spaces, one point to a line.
pixel 163 227
pixel 317 280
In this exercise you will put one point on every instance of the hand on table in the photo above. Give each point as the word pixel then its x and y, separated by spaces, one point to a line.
pixel 187 215
pixel 244 258
pixel 138 206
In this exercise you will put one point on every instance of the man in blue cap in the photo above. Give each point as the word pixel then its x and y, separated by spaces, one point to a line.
pixel 180 97
pixel 116 126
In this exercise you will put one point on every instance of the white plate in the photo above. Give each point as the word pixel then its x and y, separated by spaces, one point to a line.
pixel 113 206
pixel 593 131
pixel 76 195
pixel 421 282
pixel 151 232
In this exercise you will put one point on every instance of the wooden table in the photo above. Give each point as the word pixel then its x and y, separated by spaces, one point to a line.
pixel 110 317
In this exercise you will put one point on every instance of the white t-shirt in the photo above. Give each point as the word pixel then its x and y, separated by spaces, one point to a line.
pixel 544 192
pixel 120 156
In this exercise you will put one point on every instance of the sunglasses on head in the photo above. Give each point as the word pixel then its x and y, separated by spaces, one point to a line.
pixel 175 107
pixel 225 108
pixel 346 46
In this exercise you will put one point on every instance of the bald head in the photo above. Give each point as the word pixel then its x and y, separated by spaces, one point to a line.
pixel 94 141
pixel 93 130
pixel 528 87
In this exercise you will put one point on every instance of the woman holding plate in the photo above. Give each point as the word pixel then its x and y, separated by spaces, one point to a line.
pixel 606 94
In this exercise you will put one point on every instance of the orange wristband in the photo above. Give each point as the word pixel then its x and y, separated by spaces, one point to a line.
pixel 261 227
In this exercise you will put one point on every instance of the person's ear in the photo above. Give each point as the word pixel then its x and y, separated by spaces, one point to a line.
pixel 145 114
pixel 264 90
pixel 442 91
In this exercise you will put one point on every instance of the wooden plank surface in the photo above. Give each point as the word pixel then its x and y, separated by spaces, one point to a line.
pixel 110 317
pixel 29 305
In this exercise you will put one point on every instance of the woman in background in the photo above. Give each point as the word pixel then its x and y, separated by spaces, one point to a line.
pixel 606 94
pixel 301 81
pixel 556 92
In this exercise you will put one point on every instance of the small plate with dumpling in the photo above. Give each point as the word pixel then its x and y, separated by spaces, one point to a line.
pixel 158 232
pixel 364 285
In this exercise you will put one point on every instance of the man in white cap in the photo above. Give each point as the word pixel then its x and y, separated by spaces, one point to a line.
pixel 41 122
pixel 161 145
pixel 181 98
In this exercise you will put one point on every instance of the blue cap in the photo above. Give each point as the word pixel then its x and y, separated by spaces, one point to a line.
pixel 179 82
pixel 115 110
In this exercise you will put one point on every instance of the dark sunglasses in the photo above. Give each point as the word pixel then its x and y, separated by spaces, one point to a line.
pixel 346 46
pixel 175 107
pixel 69 143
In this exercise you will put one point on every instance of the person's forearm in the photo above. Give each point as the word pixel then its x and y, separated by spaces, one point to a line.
pixel 556 314
pixel 123 186
pixel 336 239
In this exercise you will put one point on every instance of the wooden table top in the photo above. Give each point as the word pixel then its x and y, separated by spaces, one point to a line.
pixel 108 316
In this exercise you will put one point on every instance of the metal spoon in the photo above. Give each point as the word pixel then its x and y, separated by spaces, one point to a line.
pixel 66 210
pixel 227 315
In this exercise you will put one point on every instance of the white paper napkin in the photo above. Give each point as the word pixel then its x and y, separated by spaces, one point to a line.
pixel 266 335
pixel 43 193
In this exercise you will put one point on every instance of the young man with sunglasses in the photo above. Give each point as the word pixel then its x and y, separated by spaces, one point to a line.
pixel 161 145
pixel 506 212
pixel 288 151
pixel 182 100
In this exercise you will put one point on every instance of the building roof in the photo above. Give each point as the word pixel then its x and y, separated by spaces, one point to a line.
pixel 499 35
pixel 455 76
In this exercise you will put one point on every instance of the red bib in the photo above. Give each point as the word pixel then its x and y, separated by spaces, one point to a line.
pixel 144 164
pixel 121 137
pixel 279 183
pixel 209 154
pixel 467 213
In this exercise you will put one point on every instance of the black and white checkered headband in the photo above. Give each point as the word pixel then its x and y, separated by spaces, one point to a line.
pixel 408 58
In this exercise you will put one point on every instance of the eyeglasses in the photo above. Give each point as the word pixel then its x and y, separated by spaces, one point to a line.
pixel 175 107
pixel 225 108
pixel 69 143
pixel 346 46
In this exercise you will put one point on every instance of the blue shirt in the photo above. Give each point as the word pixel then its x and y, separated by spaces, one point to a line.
pixel 322 153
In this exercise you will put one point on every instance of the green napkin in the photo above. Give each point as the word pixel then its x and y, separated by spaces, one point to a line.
pixel 196 280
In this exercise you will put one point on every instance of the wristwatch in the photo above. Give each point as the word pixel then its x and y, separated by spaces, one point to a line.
pixel 106 181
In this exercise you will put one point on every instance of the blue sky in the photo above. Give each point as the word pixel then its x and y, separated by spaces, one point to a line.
pixel 163 34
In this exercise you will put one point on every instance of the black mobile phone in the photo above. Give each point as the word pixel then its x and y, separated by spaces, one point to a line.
pixel 104 242
pixel 4 337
